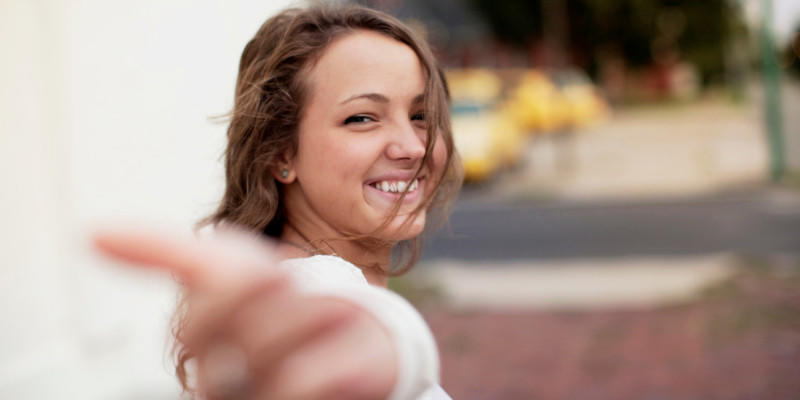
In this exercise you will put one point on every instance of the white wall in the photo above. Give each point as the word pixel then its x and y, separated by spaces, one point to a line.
pixel 103 114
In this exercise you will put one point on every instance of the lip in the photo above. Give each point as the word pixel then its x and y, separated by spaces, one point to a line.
pixel 396 176
pixel 410 196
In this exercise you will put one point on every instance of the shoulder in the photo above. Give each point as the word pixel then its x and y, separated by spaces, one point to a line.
pixel 310 272
pixel 418 359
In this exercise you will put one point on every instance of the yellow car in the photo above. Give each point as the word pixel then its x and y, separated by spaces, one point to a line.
pixel 585 105
pixel 474 85
pixel 474 141
pixel 487 139
pixel 553 103
pixel 537 104
pixel 495 111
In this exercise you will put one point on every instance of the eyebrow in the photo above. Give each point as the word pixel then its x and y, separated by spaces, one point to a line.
pixel 379 98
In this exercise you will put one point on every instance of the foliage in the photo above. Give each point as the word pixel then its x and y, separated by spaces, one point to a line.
pixel 792 54
pixel 631 29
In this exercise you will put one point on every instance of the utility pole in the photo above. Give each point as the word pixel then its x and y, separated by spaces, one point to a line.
pixel 772 93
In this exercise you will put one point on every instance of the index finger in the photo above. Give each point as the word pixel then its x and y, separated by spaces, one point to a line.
pixel 227 259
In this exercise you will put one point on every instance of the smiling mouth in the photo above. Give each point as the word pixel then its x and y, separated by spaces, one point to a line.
pixel 396 186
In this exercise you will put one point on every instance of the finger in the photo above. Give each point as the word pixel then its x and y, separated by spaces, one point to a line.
pixel 228 258
pixel 274 327
pixel 363 360
pixel 232 356
pixel 211 316
pixel 223 373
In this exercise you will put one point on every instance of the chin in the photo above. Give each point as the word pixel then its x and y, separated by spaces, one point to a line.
pixel 400 229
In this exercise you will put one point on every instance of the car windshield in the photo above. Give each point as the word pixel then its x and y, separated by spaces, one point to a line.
pixel 466 108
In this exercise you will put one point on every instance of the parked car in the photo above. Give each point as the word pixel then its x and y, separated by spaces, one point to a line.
pixel 583 101
pixel 494 112
pixel 485 132
pixel 474 141
pixel 537 104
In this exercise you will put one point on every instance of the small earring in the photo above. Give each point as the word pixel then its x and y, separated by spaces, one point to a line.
pixel 284 173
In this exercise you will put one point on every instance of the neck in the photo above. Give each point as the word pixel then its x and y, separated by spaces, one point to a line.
pixel 372 261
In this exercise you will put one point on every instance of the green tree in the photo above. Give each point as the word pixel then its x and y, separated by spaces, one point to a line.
pixel 635 29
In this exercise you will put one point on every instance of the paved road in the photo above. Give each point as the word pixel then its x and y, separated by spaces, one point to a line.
pixel 757 221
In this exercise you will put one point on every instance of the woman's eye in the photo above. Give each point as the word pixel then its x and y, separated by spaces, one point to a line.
pixel 418 117
pixel 358 119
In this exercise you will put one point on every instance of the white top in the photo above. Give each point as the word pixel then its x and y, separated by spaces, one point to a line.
pixel 418 358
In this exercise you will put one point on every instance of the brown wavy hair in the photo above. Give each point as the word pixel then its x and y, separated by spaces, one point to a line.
pixel 271 90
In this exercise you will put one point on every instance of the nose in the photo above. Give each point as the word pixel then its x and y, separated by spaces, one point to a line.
pixel 407 143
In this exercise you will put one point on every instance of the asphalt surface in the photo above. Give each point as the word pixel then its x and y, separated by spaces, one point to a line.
pixel 757 221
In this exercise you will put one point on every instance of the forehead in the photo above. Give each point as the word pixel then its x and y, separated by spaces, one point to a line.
pixel 366 61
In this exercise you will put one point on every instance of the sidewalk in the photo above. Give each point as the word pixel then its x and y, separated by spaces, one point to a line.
pixel 738 340
pixel 656 151
pixel 626 283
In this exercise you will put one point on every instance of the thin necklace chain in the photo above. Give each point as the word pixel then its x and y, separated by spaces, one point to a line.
pixel 303 248
pixel 314 250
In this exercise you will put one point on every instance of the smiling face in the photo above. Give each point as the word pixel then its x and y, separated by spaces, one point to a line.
pixel 361 140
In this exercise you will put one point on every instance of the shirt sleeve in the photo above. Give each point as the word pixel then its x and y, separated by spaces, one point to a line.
pixel 417 356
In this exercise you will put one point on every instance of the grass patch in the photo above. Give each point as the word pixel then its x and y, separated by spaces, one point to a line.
pixel 791 180
pixel 417 292
pixel 761 298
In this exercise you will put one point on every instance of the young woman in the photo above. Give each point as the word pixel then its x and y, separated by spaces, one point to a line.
pixel 340 150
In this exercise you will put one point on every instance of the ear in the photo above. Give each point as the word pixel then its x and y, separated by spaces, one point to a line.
pixel 283 169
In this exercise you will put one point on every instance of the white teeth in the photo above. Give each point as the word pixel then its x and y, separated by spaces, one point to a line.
pixel 397 186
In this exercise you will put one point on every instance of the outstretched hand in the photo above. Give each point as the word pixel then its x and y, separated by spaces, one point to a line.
pixel 252 334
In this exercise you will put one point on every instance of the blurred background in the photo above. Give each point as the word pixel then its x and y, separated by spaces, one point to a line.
pixel 629 226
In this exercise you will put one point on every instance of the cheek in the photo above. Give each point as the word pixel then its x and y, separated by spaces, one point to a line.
pixel 334 168
pixel 438 157
pixel 322 158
